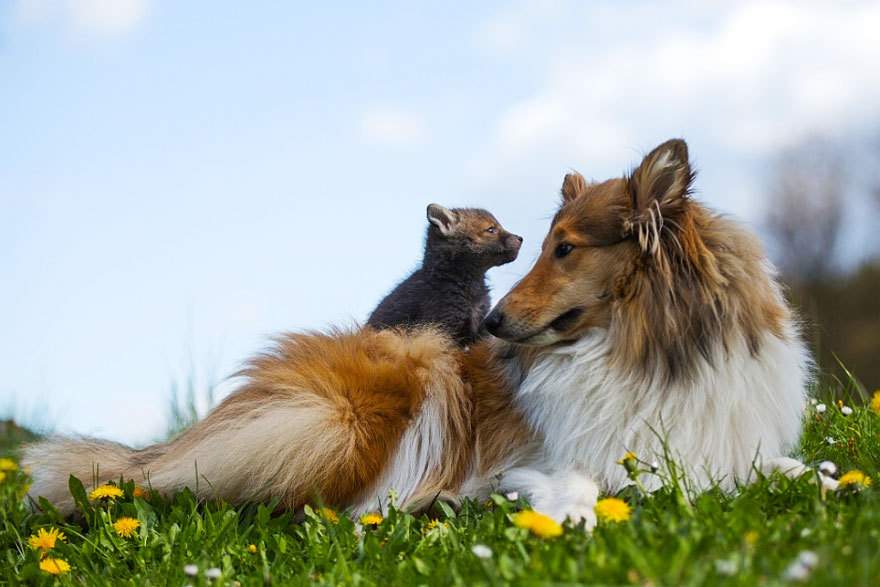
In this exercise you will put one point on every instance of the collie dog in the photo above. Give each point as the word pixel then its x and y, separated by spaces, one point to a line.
pixel 648 323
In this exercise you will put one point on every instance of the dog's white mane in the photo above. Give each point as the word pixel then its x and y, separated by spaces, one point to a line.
pixel 716 422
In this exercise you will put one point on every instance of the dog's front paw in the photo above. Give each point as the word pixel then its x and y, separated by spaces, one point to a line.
pixel 582 512
pixel 791 468
pixel 560 495
pixel 574 499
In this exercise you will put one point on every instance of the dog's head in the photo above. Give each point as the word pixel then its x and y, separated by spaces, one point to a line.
pixel 599 235
pixel 637 255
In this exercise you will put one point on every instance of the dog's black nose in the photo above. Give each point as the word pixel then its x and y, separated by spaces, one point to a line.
pixel 519 238
pixel 493 321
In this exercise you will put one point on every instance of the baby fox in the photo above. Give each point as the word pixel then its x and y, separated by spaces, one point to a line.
pixel 449 289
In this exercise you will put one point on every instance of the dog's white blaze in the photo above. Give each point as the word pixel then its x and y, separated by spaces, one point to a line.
pixel 716 423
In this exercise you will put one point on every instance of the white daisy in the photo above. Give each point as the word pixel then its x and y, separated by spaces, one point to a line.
pixel 726 566
pixel 481 551
pixel 797 572
pixel 190 570
pixel 213 573
pixel 808 558
pixel 828 468
pixel 846 410
pixel 820 408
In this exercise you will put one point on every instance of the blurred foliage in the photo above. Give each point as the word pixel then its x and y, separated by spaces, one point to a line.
pixel 824 202
pixel 12 435
pixel 842 323
pixel 184 404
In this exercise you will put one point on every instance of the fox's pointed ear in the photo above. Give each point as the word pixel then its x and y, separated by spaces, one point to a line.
pixel 443 218
pixel 573 186
pixel 659 189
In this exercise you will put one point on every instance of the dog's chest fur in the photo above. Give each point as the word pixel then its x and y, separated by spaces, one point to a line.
pixel 716 423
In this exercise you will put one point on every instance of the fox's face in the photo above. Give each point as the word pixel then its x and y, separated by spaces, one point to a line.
pixel 593 259
pixel 472 234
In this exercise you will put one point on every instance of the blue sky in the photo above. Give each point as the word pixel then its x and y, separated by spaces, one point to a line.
pixel 180 180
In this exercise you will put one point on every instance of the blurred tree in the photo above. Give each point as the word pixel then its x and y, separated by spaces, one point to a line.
pixel 805 218
pixel 836 288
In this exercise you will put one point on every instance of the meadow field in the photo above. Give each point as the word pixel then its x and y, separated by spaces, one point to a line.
pixel 773 531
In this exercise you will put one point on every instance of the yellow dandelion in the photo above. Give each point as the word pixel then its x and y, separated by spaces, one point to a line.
pixel 752 537
pixel 106 492
pixel 330 515
pixel 45 539
pixel 2 476
pixel 126 527
pixel 8 465
pixel 252 548
pixel 630 462
pixel 437 524
pixel 371 519
pixel 854 478
pixel 537 524
pixel 54 566
pixel 612 509
pixel 875 402
pixel 627 457
pixel 138 492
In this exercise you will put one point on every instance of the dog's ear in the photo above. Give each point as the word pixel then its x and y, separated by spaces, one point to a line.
pixel 573 186
pixel 443 218
pixel 658 189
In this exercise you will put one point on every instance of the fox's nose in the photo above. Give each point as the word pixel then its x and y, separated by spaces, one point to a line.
pixel 493 321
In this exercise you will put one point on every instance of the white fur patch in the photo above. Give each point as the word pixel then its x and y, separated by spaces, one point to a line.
pixel 715 423
pixel 419 453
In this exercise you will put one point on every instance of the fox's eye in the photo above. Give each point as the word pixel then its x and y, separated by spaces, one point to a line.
pixel 562 250
pixel 491 230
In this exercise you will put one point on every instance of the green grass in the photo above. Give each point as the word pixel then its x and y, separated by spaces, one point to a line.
pixel 751 536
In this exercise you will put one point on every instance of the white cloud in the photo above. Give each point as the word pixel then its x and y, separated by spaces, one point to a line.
pixel 101 17
pixel 392 127
pixel 747 78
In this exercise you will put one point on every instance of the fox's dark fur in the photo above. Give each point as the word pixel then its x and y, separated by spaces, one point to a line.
pixel 449 289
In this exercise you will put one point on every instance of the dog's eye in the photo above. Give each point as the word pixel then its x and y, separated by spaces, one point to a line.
pixel 491 230
pixel 562 250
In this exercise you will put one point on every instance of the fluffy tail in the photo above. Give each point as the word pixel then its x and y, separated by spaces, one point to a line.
pixel 320 416
pixel 52 461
